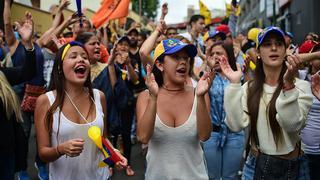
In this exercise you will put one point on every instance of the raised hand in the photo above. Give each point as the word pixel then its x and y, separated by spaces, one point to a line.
pixel 151 83
pixel 233 76
pixel 161 27
pixel 125 58
pixel 113 54
pixel 72 148
pixel 164 11
pixel 201 54
pixel 72 19
pixel 26 29
pixel 315 85
pixel 293 61
pixel 211 60
pixel 64 4
pixel 56 41
pixel 204 83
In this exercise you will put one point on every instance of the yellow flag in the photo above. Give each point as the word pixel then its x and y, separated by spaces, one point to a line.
pixel 204 11
pixel 228 10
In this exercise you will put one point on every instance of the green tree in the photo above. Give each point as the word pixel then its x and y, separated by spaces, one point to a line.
pixel 148 8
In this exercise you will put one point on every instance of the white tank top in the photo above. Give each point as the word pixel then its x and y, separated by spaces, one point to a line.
pixel 84 166
pixel 175 153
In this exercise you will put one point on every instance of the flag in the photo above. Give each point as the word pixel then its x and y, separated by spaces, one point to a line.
pixel 204 11
pixel 109 153
pixel 122 21
pixel 228 10
pixel 110 9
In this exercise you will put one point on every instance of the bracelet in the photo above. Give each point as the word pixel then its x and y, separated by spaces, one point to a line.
pixel 57 151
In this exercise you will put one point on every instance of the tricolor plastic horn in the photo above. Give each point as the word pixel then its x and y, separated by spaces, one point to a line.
pixel 110 155
pixel 79 12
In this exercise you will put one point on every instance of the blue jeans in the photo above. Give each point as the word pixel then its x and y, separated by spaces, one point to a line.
pixel 224 162
pixel 249 167
pixel 314 165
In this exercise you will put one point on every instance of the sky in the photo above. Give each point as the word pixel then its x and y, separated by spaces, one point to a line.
pixel 178 8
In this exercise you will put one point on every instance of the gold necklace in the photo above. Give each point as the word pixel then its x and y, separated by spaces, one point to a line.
pixel 164 87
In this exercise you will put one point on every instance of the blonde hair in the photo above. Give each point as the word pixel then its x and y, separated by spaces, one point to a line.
pixel 9 99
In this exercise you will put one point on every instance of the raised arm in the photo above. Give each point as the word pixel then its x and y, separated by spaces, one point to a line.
pixel 111 67
pixel 235 98
pixel 55 23
pixel 134 78
pixel 58 15
pixel 164 11
pixel 57 32
pixel 149 44
pixel 8 31
pixel 307 57
pixel 204 125
pixel 27 71
pixel 147 108
pixel 293 103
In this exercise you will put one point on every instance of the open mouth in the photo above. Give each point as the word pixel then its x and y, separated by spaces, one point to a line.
pixel 274 57
pixel 182 71
pixel 97 51
pixel 81 70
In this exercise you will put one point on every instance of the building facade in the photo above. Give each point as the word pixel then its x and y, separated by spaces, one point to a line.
pixel 296 16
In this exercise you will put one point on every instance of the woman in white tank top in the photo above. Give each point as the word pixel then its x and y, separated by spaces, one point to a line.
pixel 64 115
pixel 173 118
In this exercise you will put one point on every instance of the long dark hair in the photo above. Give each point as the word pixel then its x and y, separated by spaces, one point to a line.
pixel 230 53
pixel 158 74
pixel 84 37
pixel 58 83
pixel 255 92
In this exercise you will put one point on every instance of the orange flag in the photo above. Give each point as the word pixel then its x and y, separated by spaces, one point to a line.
pixel 122 21
pixel 110 9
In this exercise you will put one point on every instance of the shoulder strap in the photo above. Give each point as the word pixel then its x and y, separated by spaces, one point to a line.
pixel 51 97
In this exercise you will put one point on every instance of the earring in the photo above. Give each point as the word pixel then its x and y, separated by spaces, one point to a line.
pixel 258 57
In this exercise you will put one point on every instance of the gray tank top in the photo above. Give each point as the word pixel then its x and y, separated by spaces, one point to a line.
pixel 175 153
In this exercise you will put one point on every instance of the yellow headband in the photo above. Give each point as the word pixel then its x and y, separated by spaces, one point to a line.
pixel 68 46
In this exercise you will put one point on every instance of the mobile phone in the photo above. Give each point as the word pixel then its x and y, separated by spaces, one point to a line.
pixel 295 49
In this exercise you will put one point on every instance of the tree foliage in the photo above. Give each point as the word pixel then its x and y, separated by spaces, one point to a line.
pixel 148 8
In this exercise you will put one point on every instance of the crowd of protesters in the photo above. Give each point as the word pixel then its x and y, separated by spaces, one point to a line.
pixel 205 104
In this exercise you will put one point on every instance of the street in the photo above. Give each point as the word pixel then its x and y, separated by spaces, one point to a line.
pixel 136 158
